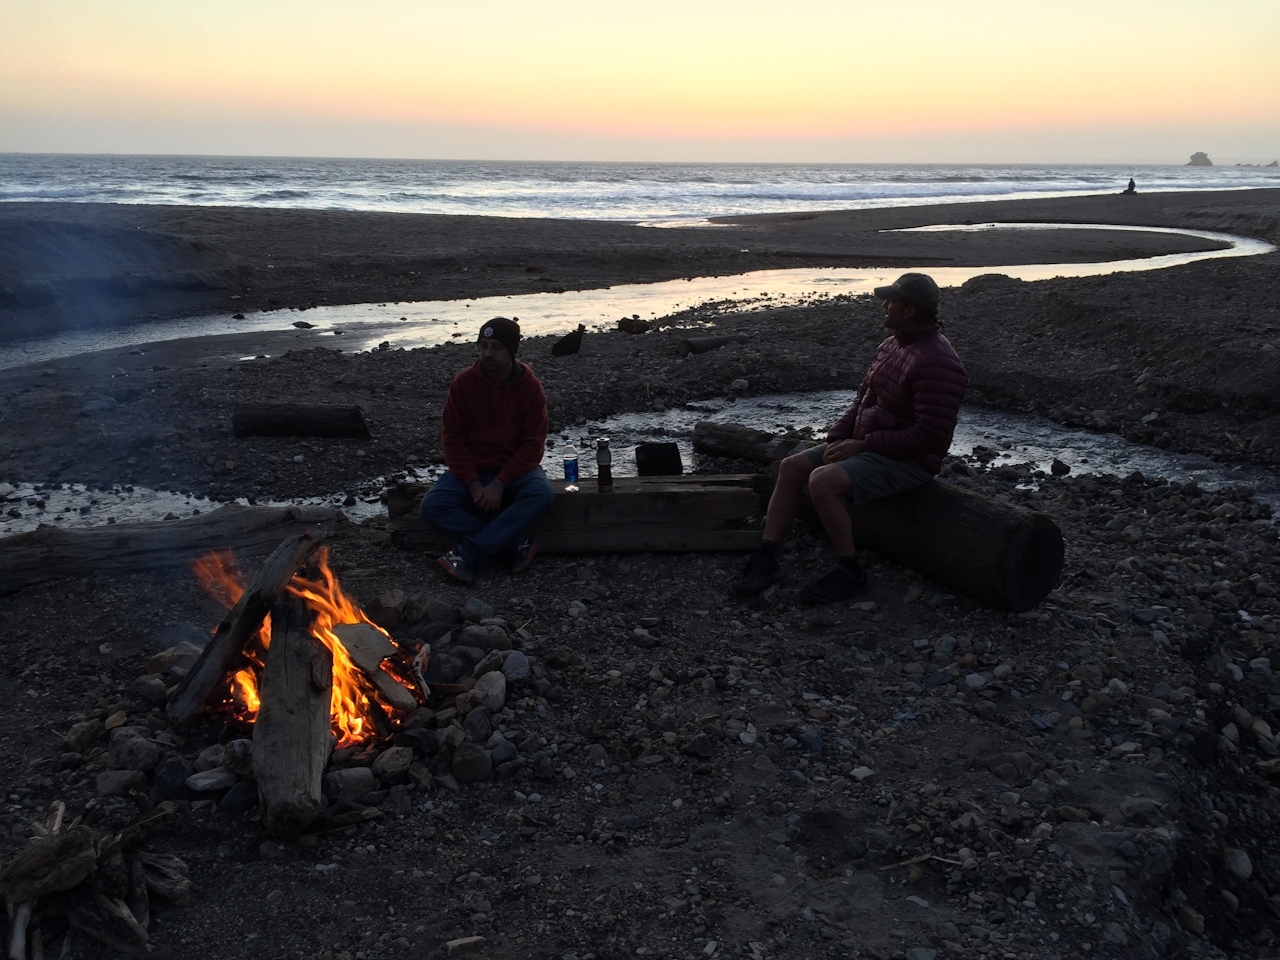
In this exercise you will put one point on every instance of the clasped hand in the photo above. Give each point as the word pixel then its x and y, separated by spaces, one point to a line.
pixel 487 498
pixel 843 450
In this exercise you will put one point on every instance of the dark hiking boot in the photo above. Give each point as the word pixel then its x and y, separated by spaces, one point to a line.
pixel 456 568
pixel 759 575
pixel 839 584
pixel 522 558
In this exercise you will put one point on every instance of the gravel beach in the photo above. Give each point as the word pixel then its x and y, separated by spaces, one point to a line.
pixel 680 774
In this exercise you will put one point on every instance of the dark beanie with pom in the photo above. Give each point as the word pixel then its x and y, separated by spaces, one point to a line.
pixel 506 332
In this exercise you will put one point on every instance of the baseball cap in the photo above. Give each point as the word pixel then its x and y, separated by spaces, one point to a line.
pixel 915 288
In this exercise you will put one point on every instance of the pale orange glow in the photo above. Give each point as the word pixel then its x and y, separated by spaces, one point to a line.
pixel 659 69
pixel 354 703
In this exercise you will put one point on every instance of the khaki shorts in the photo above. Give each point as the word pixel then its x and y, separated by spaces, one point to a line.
pixel 873 475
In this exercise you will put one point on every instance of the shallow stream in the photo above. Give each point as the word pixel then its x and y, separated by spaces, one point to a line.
pixel 1018 439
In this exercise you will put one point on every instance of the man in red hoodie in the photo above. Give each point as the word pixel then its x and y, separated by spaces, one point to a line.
pixel 892 438
pixel 494 430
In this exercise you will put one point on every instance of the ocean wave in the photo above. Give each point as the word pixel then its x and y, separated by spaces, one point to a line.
pixel 649 192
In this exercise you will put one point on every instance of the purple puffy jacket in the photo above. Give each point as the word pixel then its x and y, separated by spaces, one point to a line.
pixel 906 407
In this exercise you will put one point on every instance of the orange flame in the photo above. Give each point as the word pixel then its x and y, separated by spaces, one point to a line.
pixel 355 703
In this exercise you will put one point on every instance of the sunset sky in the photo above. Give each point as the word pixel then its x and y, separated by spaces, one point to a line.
pixel 802 80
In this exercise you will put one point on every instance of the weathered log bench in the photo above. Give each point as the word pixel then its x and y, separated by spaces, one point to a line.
pixel 1001 554
pixel 641 515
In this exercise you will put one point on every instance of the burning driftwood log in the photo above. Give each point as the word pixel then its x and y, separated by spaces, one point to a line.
pixel 368 647
pixel 299 420
pixel 1002 555
pixel 51 553
pixel 642 514
pixel 291 739
pixel 209 672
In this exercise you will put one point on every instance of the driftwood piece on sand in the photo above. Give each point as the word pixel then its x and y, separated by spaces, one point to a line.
pixel 241 623
pixel 368 647
pixel 109 921
pixel 166 876
pixel 291 739
pixel 706 344
pixel 642 514
pixel 743 443
pixel 299 420
pixel 49 864
pixel 51 553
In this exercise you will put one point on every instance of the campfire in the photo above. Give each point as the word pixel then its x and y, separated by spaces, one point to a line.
pixel 359 709
pixel 320 680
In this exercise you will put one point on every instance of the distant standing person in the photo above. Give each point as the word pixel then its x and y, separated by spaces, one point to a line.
pixel 892 438
pixel 494 430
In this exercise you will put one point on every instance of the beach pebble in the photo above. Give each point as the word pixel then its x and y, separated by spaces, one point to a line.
pixel 211 757
pixel 118 783
pixel 348 784
pixel 1237 863
pixel 392 762
pixel 515 667
pixel 208 781
pixel 471 764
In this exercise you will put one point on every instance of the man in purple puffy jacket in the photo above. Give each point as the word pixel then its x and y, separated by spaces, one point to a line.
pixel 892 438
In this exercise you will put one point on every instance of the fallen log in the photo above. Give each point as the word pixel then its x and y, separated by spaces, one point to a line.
pixel 659 514
pixel 706 344
pixel 52 553
pixel 1002 555
pixel 743 443
pixel 368 647
pixel 219 656
pixel 291 739
pixel 299 420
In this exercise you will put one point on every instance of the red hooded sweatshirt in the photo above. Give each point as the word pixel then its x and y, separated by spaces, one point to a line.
pixel 489 425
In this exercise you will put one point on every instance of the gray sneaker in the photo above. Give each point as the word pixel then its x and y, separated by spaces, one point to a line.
pixel 457 568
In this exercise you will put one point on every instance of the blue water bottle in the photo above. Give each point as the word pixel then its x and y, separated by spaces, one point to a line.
pixel 571 469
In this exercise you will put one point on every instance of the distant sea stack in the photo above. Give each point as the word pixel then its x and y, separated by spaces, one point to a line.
pixel 1200 159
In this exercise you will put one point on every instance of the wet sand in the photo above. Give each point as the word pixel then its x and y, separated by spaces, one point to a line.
pixel 76 266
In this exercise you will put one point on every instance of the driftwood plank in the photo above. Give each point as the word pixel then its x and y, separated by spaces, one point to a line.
pixel 658 514
pixel 51 553
pixel 299 420
pixel 291 739
pixel 368 647
pixel 241 623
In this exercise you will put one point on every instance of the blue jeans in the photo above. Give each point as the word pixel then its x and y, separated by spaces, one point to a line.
pixel 448 507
